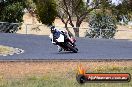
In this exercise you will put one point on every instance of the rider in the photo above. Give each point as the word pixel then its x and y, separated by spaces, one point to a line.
pixel 55 32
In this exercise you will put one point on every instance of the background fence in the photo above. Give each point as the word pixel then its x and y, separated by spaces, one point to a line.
pixel 9 27
pixel 122 32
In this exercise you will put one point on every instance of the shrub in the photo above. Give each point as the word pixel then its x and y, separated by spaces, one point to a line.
pixel 101 26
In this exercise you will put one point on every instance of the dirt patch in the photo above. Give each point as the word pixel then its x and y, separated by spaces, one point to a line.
pixel 21 69
pixel 5 50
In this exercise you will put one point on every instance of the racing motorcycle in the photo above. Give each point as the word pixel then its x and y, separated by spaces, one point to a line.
pixel 64 42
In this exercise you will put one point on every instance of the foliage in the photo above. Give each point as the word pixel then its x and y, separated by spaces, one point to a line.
pixel 105 4
pixel 12 10
pixel 46 11
pixel 102 25
pixel 123 10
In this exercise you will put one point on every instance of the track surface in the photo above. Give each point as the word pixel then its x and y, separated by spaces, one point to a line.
pixel 41 48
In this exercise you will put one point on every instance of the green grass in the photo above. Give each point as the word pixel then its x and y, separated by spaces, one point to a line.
pixel 64 80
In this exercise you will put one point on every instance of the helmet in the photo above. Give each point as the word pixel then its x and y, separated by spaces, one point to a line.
pixel 52 29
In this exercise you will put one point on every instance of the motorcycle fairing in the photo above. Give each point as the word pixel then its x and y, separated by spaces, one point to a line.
pixel 61 38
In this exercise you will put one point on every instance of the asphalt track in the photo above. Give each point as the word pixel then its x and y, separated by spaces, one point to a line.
pixel 40 48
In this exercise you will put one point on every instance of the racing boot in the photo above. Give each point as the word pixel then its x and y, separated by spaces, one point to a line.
pixel 59 48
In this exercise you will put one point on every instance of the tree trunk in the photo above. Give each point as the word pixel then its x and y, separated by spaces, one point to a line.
pixel 69 32
pixel 76 31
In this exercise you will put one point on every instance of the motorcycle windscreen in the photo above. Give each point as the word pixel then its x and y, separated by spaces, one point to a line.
pixel 61 38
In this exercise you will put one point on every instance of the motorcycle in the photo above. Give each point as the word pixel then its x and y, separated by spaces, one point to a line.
pixel 64 42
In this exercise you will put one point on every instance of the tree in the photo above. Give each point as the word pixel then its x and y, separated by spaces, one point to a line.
pixel 66 10
pixel 46 11
pixel 12 10
pixel 70 10
pixel 102 25
pixel 123 9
